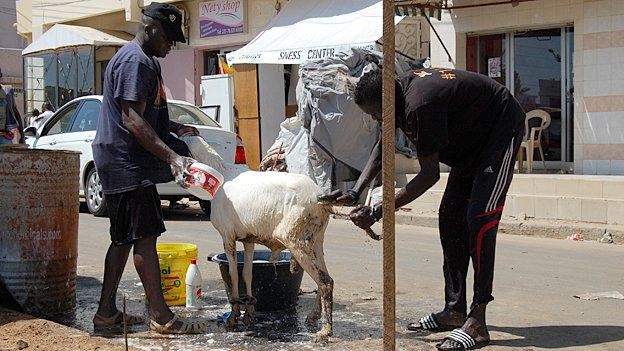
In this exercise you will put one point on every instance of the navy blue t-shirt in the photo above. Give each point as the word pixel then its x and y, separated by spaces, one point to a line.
pixel 122 163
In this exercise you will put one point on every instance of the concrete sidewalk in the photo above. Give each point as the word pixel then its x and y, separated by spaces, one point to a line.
pixel 542 205
pixel 541 228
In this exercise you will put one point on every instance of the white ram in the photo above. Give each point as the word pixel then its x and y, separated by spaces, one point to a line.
pixel 278 210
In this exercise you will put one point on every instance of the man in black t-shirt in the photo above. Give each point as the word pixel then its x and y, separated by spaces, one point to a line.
pixel 133 151
pixel 474 125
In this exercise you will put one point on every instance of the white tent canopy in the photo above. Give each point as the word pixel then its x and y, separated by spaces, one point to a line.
pixel 314 29
pixel 63 35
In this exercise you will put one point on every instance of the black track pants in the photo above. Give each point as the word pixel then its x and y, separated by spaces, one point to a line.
pixel 469 214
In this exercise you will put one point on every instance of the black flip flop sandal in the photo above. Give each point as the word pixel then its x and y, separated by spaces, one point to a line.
pixel 429 323
pixel 462 338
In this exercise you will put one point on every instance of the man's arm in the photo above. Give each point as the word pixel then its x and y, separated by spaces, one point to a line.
pixel 371 170
pixel 427 177
pixel 364 217
pixel 131 113
pixel 174 126
pixel 181 129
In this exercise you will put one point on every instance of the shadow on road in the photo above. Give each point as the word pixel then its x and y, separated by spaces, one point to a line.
pixel 560 336
pixel 187 214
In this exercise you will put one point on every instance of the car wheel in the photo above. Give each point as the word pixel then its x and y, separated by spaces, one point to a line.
pixel 205 206
pixel 96 203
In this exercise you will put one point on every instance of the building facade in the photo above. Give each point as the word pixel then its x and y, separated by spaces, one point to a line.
pixel 182 68
pixel 561 56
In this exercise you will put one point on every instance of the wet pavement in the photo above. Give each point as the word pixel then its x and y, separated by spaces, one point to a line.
pixel 283 330
pixel 534 308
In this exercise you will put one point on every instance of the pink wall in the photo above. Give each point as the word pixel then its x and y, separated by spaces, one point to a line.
pixel 178 72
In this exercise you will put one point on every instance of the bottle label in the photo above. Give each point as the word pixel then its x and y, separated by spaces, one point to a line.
pixel 193 295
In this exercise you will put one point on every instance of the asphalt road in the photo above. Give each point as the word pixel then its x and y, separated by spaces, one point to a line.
pixel 534 286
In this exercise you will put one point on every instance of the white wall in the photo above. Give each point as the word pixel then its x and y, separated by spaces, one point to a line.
pixel 178 71
pixel 272 98
pixel 446 30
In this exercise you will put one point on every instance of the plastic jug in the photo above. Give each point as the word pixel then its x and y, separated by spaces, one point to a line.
pixel 193 286
pixel 203 181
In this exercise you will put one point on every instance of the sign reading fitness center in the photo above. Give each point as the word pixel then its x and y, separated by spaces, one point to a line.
pixel 221 17
pixel 318 53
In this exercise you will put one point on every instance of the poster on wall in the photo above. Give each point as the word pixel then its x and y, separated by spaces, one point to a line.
pixel 221 17
pixel 494 67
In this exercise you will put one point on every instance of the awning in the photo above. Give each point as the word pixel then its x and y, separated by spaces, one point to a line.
pixel 63 35
pixel 314 29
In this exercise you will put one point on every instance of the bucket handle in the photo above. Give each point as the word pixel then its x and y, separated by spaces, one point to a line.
pixel 212 257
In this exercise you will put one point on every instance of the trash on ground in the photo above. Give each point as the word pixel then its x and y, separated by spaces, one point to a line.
pixel 224 317
pixel 601 295
pixel 607 238
pixel 576 237
pixel 369 298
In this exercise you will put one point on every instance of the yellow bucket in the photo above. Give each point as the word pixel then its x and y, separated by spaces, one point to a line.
pixel 174 260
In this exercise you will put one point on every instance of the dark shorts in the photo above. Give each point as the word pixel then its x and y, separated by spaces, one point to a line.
pixel 134 215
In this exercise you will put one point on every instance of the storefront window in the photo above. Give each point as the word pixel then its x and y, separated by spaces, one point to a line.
pixel 41 81
pixel 537 81
pixel 85 72
pixel 541 63
pixel 58 77
pixel 486 54
pixel 66 77
pixel 211 63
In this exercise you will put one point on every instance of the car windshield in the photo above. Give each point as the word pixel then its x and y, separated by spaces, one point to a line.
pixel 188 114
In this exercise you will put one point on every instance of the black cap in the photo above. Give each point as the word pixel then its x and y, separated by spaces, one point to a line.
pixel 170 18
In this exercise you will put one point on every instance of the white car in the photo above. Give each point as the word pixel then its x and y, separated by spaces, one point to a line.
pixel 73 127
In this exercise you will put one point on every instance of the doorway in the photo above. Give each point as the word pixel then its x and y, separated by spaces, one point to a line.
pixel 536 66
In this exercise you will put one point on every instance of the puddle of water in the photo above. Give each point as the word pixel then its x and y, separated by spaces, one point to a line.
pixel 356 321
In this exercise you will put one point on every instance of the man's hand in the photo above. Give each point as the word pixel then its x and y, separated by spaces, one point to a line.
pixel 362 216
pixel 187 130
pixel 179 166
pixel 336 197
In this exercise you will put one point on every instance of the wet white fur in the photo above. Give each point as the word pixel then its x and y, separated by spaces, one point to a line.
pixel 278 210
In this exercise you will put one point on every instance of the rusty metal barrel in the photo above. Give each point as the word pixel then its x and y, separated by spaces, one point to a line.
pixel 39 230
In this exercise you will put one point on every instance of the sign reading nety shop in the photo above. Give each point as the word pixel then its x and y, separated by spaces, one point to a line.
pixel 221 17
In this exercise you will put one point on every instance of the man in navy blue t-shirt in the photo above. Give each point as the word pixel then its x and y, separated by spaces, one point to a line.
pixel 133 151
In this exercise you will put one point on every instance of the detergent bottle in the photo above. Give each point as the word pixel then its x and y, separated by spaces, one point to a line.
pixel 193 286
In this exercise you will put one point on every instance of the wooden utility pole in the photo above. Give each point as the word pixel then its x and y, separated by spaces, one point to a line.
pixel 387 170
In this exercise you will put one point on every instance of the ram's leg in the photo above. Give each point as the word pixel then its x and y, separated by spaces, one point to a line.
pixel 250 301
pixel 230 252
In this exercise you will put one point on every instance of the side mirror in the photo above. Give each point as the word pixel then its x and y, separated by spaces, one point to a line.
pixel 30 132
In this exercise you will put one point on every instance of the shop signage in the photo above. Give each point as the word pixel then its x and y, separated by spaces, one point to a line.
pixel 294 56
pixel 221 17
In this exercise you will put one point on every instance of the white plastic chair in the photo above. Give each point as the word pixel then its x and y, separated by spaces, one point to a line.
pixel 533 137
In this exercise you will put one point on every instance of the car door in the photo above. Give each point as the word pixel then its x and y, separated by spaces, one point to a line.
pixel 54 133
pixel 82 130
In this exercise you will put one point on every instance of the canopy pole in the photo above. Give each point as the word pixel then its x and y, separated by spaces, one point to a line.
pixel 387 170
